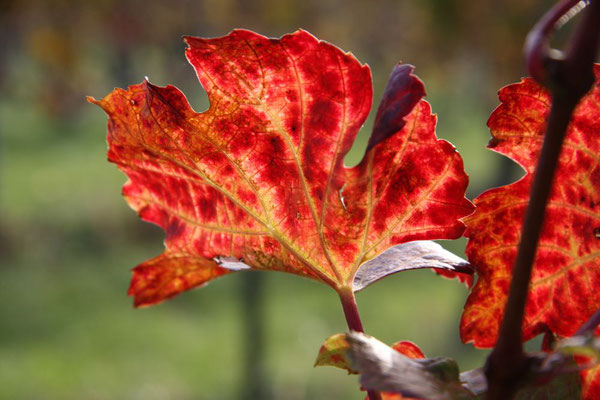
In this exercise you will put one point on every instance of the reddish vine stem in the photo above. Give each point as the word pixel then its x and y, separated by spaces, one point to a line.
pixel 568 79
pixel 536 44
pixel 507 362
pixel 351 311
pixel 354 324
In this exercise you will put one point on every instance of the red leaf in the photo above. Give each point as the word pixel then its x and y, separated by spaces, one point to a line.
pixel 260 177
pixel 382 369
pixel 564 287
pixel 409 349
pixel 590 378
pixel 392 396
pixel 168 275
pixel 334 353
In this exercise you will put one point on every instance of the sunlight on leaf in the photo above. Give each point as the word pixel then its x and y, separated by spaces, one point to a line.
pixel 565 278
pixel 259 177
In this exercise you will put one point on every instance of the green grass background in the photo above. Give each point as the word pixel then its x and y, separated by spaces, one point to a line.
pixel 68 240
pixel 70 332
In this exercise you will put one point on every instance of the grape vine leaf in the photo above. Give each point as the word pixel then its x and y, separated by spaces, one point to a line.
pixel 590 381
pixel 259 176
pixel 410 350
pixel 335 349
pixel 169 274
pixel 552 375
pixel 565 280
pixel 388 369
pixel 586 348
pixel 334 352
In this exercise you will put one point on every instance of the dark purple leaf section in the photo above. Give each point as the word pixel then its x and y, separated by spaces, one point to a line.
pixel 412 255
pixel 402 93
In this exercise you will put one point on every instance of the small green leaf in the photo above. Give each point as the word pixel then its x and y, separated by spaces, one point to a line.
pixel 581 345
pixel 443 368
pixel 334 353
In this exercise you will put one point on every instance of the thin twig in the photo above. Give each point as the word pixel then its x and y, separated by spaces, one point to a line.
pixel 568 78
pixel 536 44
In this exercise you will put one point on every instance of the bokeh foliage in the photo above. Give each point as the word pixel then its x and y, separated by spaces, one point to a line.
pixel 67 239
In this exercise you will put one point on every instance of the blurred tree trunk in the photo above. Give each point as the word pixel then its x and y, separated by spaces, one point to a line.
pixel 254 385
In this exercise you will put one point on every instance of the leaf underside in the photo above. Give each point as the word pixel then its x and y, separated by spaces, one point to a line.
pixel 412 255
pixel 403 370
pixel 259 176
pixel 335 353
pixel 566 277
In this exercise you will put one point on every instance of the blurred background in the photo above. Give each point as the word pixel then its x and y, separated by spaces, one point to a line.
pixel 68 239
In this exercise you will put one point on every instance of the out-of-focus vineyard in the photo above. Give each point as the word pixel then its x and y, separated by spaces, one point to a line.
pixel 67 238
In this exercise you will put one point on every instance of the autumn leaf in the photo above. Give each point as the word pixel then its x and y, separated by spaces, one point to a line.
pixel 169 274
pixel 552 375
pixel 335 353
pixel 565 280
pixel 590 382
pixel 404 370
pixel 259 177
pixel 410 350
pixel 586 349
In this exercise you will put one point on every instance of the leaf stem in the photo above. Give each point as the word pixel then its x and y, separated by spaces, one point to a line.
pixel 351 310
pixel 354 323
pixel 568 77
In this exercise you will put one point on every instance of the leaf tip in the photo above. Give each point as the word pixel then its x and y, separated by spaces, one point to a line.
pixel 334 353
pixel 402 93
pixel 493 142
pixel 91 99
